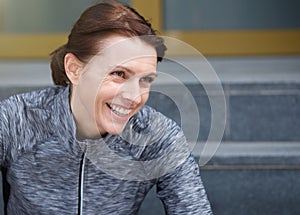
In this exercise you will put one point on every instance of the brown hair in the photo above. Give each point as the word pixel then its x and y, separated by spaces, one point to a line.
pixel 96 23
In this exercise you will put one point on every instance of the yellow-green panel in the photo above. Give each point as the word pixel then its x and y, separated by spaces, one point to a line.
pixel 224 43
pixel 29 46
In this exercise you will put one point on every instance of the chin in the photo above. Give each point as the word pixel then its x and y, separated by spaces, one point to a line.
pixel 115 130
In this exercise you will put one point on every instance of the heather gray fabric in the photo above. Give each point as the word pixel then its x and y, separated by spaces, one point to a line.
pixel 51 172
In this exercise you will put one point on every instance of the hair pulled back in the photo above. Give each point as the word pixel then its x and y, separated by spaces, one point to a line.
pixel 95 23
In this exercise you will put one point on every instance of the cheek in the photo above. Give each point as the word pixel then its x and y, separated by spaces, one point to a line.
pixel 145 97
pixel 89 84
pixel 88 92
pixel 106 92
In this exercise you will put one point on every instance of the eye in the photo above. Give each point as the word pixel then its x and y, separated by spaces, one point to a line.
pixel 147 79
pixel 120 74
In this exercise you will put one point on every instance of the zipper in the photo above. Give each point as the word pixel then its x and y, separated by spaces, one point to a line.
pixel 81 180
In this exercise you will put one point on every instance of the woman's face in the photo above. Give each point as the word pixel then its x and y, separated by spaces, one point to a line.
pixel 113 86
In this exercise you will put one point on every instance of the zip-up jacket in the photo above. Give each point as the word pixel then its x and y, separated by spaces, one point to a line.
pixel 49 171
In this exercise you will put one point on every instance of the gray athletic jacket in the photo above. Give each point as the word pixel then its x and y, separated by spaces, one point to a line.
pixel 51 172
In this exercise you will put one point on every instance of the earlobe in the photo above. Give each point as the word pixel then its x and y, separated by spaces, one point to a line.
pixel 73 68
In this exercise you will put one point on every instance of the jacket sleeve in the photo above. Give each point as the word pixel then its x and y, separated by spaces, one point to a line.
pixel 1 136
pixel 182 191
pixel 3 132
pixel 169 162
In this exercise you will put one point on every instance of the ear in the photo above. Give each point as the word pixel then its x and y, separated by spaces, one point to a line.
pixel 73 68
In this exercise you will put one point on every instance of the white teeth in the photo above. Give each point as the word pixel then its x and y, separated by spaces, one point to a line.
pixel 119 110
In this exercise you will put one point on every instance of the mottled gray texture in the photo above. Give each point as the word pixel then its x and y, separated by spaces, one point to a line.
pixel 43 159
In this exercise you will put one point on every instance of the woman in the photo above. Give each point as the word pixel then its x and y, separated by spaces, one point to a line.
pixel 89 145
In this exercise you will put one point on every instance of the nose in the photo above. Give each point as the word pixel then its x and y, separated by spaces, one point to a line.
pixel 131 92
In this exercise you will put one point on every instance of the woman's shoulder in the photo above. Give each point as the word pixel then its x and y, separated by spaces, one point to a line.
pixel 149 118
pixel 154 130
pixel 156 139
pixel 29 117
pixel 40 98
pixel 31 108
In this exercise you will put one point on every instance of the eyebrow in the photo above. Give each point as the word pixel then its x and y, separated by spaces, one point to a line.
pixel 132 72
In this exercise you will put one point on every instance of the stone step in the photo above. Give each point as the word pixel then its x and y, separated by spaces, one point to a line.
pixel 248 179
pixel 254 112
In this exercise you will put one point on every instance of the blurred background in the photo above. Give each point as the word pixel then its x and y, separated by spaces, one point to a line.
pixel 254 48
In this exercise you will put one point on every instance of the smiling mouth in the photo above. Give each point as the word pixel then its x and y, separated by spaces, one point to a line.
pixel 119 110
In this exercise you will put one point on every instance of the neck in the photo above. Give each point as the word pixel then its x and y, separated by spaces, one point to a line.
pixel 86 127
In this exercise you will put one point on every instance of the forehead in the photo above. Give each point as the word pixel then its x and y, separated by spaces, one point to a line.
pixel 138 65
pixel 124 49
pixel 120 50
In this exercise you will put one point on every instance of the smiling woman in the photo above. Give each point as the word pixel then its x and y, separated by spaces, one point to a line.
pixel 112 86
pixel 90 145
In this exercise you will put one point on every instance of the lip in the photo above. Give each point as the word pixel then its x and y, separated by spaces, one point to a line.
pixel 116 117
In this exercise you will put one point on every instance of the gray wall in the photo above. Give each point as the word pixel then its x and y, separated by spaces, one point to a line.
pixel 231 14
